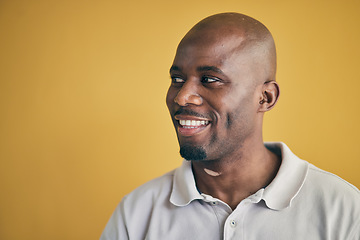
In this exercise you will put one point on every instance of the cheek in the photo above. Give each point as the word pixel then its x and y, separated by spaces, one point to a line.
pixel 229 120
pixel 239 125
pixel 170 96
pixel 240 114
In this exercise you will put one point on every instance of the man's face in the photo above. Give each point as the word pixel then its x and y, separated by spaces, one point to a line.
pixel 212 98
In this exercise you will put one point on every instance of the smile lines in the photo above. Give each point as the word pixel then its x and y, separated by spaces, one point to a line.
pixel 193 123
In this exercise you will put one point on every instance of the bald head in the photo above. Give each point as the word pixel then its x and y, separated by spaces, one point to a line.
pixel 248 34
pixel 222 78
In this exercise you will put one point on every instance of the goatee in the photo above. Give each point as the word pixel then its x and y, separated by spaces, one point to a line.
pixel 192 153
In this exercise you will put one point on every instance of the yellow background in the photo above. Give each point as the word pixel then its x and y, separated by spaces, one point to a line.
pixel 83 119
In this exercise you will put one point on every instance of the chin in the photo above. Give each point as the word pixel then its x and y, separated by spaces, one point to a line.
pixel 193 153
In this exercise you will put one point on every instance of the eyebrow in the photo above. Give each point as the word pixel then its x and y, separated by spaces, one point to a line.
pixel 209 68
pixel 199 69
pixel 174 68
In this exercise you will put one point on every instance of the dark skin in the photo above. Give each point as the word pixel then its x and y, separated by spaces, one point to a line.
pixel 223 77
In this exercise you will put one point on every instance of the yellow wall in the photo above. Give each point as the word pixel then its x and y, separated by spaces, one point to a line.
pixel 83 119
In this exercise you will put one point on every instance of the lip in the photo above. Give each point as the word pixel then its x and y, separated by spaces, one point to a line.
pixel 189 117
pixel 188 131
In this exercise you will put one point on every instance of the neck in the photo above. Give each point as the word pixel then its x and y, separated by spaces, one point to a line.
pixel 234 179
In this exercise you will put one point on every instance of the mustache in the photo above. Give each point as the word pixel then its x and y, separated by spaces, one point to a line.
pixel 186 111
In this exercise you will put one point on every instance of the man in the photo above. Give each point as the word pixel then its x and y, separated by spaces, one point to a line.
pixel 232 185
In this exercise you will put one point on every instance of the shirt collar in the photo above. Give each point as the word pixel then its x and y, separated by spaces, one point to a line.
pixel 184 187
pixel 277 195
pixel 289 180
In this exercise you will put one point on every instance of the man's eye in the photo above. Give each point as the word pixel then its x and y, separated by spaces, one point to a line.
pixel 209 80
pixel 177 80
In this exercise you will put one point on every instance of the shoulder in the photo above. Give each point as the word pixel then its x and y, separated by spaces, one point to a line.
pixel 331 183
pixel 132 216
pixel 331 195
pixel 335 199
pixel 153 186
pixel 151 189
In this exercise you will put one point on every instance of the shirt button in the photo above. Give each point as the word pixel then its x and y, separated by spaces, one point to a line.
pixel 233 223
pixel 213 203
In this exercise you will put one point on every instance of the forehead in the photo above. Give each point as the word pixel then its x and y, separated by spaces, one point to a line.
pixel 211 49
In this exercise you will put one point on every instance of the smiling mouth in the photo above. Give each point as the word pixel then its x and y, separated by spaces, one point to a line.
pixel 191 127
pixel 193 123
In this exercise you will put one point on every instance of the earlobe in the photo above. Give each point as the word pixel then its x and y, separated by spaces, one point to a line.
pixel 269 96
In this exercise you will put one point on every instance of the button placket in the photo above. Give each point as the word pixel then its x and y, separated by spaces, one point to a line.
pixel 234 226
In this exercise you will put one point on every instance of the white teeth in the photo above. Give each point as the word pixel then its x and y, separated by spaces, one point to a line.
pixel 193 123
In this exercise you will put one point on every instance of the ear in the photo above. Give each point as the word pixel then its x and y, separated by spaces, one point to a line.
pixel 269 96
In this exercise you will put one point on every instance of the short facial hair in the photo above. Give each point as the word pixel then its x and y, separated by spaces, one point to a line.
pixel 192 153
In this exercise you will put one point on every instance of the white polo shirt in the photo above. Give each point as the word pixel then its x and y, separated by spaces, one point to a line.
pixel 302 202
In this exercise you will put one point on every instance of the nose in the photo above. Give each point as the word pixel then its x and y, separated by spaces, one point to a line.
pixel 188 94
